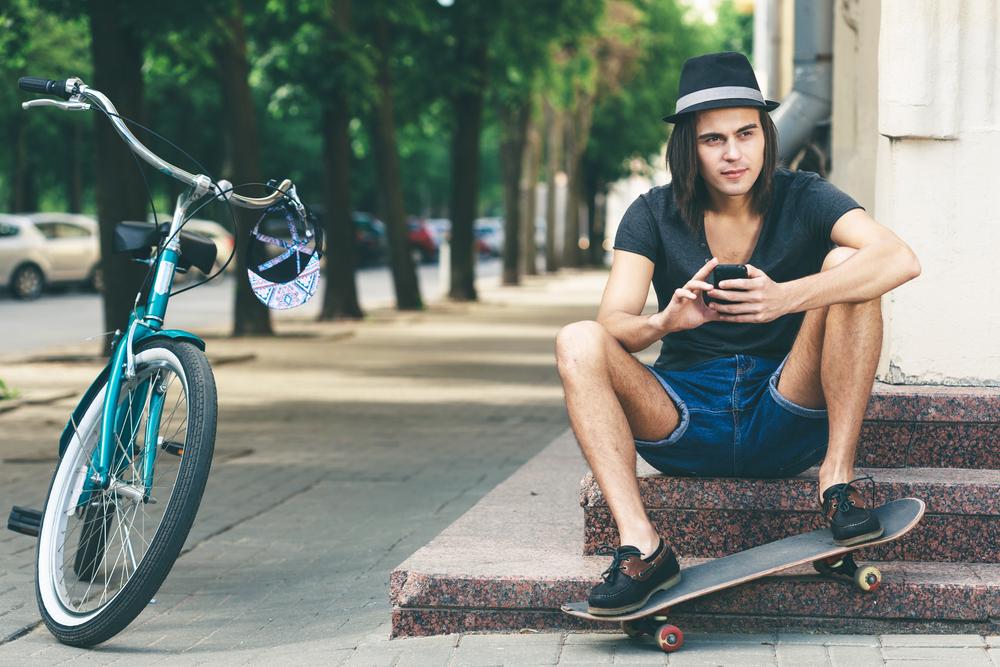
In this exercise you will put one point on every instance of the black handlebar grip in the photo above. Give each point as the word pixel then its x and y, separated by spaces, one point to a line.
pixel 34 84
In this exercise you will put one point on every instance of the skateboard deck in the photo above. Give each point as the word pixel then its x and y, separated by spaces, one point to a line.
pixel 897 518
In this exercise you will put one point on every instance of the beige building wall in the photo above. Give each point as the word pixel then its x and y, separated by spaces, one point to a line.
pixel 787 28
pixel 855 99
pixel 936 182
pixel 854 122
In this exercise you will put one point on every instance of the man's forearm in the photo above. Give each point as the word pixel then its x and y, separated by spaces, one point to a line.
pixel 634 332
pixel 867 274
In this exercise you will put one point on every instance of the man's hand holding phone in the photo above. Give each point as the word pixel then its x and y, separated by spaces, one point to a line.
pixel 755 299
pixel 686 309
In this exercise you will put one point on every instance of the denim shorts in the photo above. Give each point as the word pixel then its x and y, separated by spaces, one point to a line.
pixel 734 423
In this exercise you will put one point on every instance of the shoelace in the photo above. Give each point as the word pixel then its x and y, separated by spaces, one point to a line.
pixel 842 495
pixel 619 557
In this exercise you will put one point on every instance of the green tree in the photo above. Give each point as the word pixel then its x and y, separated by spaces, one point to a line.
pixel 320 63
pixel 117 53
pixel 387 22
pixel 229 48
pixel 460 61
pixel 627 115
pixel 520 52
pixel 734 27
pixel 34 42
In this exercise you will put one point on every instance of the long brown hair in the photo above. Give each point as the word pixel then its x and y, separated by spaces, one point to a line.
pixel 689 189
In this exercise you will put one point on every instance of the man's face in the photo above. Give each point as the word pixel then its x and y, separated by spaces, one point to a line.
pixel 730 149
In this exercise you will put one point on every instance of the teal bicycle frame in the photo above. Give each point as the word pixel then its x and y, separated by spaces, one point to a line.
pixel 146 321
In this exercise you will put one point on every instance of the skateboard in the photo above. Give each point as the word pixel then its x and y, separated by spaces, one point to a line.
pixel 817 547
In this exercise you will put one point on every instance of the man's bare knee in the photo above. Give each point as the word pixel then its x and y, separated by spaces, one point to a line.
pixel 580 346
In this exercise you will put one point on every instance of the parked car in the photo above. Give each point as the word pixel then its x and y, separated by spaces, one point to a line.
pixel 41 249
pixel 221 237
pixel 440 230
pixel 421 240
pixel 370 236
pixel 489 236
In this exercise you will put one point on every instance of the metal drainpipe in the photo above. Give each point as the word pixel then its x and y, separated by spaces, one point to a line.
pixel 810 101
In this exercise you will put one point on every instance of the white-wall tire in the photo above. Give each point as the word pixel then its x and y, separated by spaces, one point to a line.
pixel 75 618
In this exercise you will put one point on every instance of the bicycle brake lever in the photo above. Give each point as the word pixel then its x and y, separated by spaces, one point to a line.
pixel 70 106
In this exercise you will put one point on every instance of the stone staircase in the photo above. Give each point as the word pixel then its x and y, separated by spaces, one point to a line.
pixel 525 548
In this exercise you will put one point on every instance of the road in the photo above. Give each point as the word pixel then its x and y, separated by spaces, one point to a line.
pixel 72 316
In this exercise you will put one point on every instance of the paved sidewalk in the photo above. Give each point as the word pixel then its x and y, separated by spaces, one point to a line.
pixel 343 448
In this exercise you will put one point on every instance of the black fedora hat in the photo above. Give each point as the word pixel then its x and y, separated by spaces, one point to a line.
pixel 718 80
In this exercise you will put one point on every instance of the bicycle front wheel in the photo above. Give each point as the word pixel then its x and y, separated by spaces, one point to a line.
pixel 104 550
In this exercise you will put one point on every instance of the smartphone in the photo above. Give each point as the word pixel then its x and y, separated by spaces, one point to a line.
pixel 724 272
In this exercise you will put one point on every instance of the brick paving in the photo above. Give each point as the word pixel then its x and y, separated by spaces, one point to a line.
pixel 343 448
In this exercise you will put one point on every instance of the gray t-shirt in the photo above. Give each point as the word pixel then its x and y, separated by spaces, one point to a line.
pixel 793 242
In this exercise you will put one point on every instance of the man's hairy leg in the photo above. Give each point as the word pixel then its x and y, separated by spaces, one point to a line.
pixel 611 399
pixel 832 365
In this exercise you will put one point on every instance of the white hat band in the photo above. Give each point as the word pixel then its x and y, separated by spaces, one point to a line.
pixel 720 93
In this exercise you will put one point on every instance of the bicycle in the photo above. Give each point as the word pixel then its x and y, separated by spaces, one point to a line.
pixel 135 454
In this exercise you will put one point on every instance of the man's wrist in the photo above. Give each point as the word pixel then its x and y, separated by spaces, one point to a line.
pixel 793 297
pixel 660 323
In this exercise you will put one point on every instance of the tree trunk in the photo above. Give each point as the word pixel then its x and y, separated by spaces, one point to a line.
pixel 116 50
pixel 514 123
pixel 554 148
pixel 571 225
pixel 74 171
pixel 13 129
pixel 340 298
pixel 576 143
pixel 404 272
pixel 595 213
pixel 24 194
pixel 20 173
pixel 251 317
pixel 532 157
pixel 468 108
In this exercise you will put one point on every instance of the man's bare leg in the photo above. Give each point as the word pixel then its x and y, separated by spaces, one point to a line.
pixel 832 364
pixel 612 399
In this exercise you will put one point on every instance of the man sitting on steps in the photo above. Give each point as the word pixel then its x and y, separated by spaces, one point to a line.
pixel 765 387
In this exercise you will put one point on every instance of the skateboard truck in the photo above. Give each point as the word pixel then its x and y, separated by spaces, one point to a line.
pixel 668 637
pixel 867 578
pixel 24 520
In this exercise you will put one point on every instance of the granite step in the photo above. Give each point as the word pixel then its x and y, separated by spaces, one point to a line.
pixel 517 555
pixel 913 598
pixel 929 426
pixel 712 517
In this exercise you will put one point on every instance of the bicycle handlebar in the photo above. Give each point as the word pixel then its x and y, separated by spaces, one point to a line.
pixel 34 84
pixel 75 88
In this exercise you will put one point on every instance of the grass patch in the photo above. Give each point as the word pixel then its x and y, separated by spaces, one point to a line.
pixel 6 392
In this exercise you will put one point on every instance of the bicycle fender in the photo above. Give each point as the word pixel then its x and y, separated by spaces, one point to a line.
pixel 102 378
pixel 81 407
pixel 172 334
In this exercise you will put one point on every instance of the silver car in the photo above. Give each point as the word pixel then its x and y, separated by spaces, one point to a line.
pixel 41 249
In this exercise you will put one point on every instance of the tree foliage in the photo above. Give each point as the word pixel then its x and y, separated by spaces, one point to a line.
pixel 627 119
pixel 618 60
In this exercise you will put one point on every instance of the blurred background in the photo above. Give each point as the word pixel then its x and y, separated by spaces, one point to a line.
pixel 441 141
pixel 498 132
